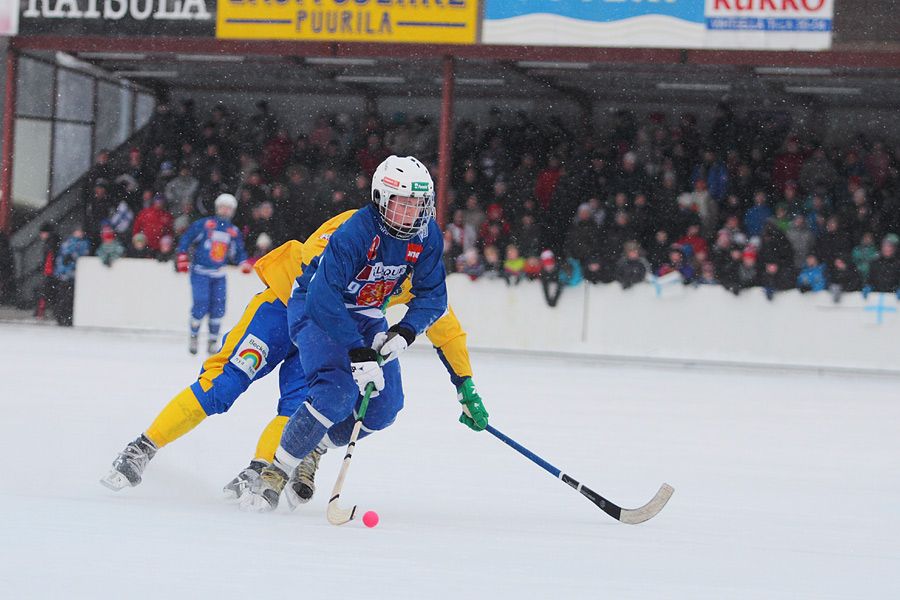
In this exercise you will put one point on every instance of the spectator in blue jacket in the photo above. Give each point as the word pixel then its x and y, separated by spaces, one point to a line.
pixel 75 246
pixel 756 216
pixel 812 276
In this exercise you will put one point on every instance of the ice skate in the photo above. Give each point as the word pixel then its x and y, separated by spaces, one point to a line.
pixel 192 345
pixel 212 346
pixel 302 485
pixel 128 467
pixel 264 492
pixel 237 487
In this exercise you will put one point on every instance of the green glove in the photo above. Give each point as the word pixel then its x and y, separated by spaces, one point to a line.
pixel 474 414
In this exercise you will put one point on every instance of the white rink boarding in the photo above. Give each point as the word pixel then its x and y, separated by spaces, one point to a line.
pixel 667 322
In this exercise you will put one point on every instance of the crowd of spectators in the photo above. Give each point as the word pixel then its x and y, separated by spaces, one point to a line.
pixel 739 202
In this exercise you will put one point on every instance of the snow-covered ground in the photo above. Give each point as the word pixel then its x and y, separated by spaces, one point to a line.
pixel 787 485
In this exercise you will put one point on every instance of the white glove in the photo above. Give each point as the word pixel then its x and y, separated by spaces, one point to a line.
pixel 392 342
pixel 365 370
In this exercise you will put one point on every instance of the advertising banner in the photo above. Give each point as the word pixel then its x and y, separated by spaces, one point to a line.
pixel 118 18
pixel 702 24
pixel 410 21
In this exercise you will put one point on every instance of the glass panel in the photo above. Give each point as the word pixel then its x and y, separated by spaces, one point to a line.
pixel 31 160
pixel 71 154
pixel 113 115
pixel 74 96
pixel 35 89
pixel 146 105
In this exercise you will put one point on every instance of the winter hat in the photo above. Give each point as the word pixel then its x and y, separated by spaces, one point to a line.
pixel 263 241
pixel 107 233
pixel 750 252
pixel 139 238
pixel 548 260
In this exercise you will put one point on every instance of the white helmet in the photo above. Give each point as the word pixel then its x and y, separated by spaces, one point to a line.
pixel 404 177
pixel 226 200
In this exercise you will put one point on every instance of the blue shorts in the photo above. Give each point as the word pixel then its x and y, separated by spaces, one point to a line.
pixel 332 391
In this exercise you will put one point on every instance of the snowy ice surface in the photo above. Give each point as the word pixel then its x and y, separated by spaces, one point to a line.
pixel 787 484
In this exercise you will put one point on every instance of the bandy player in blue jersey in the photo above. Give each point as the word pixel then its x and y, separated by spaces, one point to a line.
pixel 216 242
pixel 336 320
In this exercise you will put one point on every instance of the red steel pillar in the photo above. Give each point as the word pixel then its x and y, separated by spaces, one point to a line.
pixel 446 143
pixel 9 133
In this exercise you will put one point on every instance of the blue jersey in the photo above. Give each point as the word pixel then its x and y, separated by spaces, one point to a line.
pixel 360 268
pixel 216 243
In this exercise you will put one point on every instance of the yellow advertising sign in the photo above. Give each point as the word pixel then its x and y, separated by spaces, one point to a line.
pixel 412 21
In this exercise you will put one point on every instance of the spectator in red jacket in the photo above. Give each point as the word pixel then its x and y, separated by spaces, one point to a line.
pixel 154 222
pixel 495 231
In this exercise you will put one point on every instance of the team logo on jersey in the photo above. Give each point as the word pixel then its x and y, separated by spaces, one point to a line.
pixel 251 355
pixel 210 224
pixel 373 294
pixel 373 249
pixel 412 252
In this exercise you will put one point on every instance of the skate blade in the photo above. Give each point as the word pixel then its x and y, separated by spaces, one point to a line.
pixel 232 496
pixel 115 481
pixel 255 504
pixel 292 499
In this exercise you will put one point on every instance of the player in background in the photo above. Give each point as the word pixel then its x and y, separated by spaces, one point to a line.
pixel 337 323
pixel 256 345
pixel 215 243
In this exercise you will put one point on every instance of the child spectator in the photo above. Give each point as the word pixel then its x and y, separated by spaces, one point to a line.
pixel 493 264
pixel 706 275
pixel 262 247
pixel 864 254
pixel 139 247
pixel 470 263
pixel 748 274
pixel 884 272
pixel 111 249
pixel 550 280
pixel 513 265
pixel 632 267
pixel 676 262
pixel 166 250
pixel 842 277
pixel 812 276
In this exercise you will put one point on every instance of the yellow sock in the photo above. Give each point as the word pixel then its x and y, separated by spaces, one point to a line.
pixel 270 438
pixel 181 415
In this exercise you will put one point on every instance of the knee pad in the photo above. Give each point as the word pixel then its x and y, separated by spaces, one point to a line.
pixel 339 433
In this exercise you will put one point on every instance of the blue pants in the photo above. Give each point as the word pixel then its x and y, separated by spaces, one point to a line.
pixel 251 350
pixel 333 396
pixel 209 299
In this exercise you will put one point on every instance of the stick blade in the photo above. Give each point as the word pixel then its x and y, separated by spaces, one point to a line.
pixel 649 510
pixel 337 515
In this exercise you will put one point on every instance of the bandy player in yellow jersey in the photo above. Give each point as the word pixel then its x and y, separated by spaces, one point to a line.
pixel 253 348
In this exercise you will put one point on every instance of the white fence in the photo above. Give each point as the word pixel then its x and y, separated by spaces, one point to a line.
pixel 706 324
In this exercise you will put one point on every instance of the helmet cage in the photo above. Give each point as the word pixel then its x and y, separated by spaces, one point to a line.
pixel 396 185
